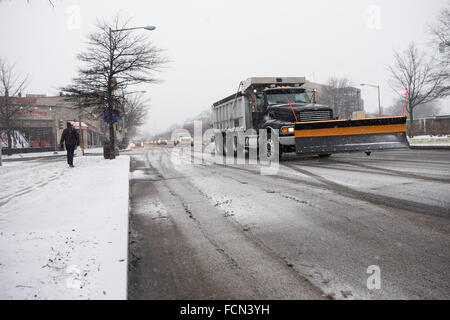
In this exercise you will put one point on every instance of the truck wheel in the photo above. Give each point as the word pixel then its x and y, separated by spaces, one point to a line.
pixel 225 146
pixel 271 146
pixel 220 148
pixel 325 155
pixel 217 149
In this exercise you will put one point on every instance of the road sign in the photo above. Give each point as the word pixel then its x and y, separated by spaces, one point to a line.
pixel 114 116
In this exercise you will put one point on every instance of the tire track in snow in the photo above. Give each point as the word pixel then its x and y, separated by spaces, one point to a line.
pixel 386 201
pixel 203 225
pixel 392 172
pixel 21 192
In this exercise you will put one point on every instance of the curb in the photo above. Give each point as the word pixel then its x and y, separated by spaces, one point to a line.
pixel 421 147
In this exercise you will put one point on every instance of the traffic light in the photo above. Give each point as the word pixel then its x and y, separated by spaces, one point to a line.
pixel 60 124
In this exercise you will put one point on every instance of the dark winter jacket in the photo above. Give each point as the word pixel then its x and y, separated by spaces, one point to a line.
pixel 70 137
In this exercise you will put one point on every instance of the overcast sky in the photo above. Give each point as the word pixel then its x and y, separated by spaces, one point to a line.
pixel 215 44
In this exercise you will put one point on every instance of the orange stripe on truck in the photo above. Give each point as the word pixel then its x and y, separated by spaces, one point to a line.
pixel 394 128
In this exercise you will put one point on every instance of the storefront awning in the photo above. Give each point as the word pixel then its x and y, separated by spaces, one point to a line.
pixel 75 125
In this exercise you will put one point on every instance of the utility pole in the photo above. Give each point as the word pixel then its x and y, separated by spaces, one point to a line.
pixel 81 135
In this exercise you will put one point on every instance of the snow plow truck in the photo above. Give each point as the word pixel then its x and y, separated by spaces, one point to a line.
pixel 286 105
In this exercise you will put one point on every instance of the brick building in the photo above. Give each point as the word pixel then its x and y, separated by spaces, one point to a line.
pixel 38 126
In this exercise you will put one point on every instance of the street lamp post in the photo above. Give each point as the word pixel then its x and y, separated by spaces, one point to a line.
pixel 379 101
pixel 112 133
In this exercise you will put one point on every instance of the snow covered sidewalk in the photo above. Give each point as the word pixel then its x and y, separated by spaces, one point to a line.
pixel 64 232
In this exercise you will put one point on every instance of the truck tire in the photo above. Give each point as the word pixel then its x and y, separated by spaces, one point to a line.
pixel 220 148
pixel 225 147
pixel 325 155
pixel 234 147
pixel 271 146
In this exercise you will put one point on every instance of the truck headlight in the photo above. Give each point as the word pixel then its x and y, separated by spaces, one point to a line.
pixel 287 130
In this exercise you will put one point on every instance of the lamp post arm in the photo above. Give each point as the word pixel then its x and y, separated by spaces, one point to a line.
pixel 370 85
pixel 134 28
pixel 126 29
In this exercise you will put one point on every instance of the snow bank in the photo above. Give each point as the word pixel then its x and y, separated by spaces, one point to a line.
pixel 64 232
pixel 46 154
pixel 430 141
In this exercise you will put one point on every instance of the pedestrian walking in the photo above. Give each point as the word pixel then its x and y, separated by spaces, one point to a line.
pixel 72 140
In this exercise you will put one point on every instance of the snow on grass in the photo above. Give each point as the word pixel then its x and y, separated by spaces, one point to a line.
pixel 63 232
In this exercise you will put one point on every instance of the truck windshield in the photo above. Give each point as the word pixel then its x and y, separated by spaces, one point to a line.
pixel 279 96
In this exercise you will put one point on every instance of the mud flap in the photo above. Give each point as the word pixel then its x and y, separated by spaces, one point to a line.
pixel 351 135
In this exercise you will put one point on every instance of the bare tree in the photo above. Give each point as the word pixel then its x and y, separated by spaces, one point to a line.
pixel 340 94
pixel 426 80
pixel 11 85
pixel 49 1
pixel 440 32
pixel 135 111
pixel 429 109
pixel 115 59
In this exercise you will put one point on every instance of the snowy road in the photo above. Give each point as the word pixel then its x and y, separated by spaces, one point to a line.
pixel 309 231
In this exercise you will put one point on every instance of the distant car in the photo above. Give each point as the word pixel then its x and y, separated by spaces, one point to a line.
pixel 185 140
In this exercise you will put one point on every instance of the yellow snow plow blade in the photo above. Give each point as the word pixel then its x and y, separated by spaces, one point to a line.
pixel 367 134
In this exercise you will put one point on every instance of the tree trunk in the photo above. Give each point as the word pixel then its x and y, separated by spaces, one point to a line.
pixel 411 116
pixel 8 134
pixel 112 149
pixel 125 138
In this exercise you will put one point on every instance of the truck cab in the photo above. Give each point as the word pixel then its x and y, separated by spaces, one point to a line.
pixel 281 107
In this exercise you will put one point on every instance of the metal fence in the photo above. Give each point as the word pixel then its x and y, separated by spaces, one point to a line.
pixel 435 126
